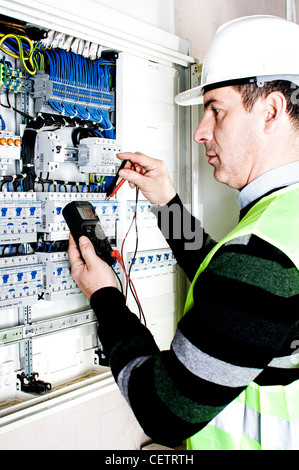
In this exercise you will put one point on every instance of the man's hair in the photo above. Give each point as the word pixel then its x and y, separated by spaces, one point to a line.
pixel 250 93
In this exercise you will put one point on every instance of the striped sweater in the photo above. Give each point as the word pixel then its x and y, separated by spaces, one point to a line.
pixel 245 314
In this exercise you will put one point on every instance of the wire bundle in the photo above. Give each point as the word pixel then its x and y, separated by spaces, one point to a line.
pixel 87 76
pixel 19 47
pixel 74 69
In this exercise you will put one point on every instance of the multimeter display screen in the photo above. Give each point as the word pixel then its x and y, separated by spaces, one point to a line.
pixel 87 213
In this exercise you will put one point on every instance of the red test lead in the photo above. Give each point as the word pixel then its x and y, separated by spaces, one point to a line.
pixel 115 187
pixel 118 256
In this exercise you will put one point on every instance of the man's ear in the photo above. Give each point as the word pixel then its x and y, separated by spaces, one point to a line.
pixel 275 106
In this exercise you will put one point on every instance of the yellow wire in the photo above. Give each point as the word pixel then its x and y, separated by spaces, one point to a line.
pixel 21 51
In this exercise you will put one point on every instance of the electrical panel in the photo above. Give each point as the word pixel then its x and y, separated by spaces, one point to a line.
pixel 68 107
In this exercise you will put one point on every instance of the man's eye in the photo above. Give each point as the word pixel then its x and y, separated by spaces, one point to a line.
pixel 215 111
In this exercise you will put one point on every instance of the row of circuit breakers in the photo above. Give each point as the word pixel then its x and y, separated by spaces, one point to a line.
pixel 45 273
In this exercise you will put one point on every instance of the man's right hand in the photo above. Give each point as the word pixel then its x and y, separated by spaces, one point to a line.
pixel 151 176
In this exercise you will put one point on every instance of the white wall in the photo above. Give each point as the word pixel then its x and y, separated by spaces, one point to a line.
pixel 198 20
pixel 159 13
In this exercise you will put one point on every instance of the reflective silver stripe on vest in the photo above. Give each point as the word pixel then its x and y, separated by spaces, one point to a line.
pixel 243 240
pixel 269 431
pixel 210 368
pixel 286 362
pixel 125 374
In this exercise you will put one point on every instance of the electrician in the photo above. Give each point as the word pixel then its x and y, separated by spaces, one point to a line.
pixel 230 379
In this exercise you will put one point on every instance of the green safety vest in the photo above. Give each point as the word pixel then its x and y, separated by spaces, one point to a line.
pixel 261 417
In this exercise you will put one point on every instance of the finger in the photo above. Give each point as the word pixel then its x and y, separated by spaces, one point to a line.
pixel 134 177
pixel 136 167
pixel 73 252
pixel 88 252
pixel 137 157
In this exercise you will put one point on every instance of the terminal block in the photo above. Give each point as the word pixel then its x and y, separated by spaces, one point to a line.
pixel 42 89
pixel 97 155
pixel 45 89
pixel 10 78
pixel 20 217
pixel 20 280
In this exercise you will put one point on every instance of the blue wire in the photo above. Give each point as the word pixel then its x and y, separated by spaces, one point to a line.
pixel 69 68
pixel 3 126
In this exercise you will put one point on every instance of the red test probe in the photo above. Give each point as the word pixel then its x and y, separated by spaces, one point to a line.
pixel 115 187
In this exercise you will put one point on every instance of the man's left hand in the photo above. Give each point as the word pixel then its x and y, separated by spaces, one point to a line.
pixel 90 273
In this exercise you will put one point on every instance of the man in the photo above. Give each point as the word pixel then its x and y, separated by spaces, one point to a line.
pixel 230 379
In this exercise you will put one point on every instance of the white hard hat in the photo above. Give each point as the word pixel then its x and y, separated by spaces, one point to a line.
pixel 259 47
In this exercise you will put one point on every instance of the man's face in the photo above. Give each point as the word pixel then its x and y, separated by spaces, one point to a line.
pixel 232 137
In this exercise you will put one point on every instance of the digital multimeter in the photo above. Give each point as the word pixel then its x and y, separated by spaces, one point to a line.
pixel 82 219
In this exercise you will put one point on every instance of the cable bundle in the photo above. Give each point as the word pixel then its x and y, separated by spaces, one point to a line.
pixel 81 86
pixel 19 47
pixel 74 69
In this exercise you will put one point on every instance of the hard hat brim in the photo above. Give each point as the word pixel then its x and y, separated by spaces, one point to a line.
pixel 190 97
pixel 194 96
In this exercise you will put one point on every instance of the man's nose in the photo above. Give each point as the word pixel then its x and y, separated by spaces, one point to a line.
pixel 204 132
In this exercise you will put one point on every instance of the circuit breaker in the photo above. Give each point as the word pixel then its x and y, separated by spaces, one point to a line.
pixel 20 280
pixel 20 217
pixel 96 155
pixel 10 152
